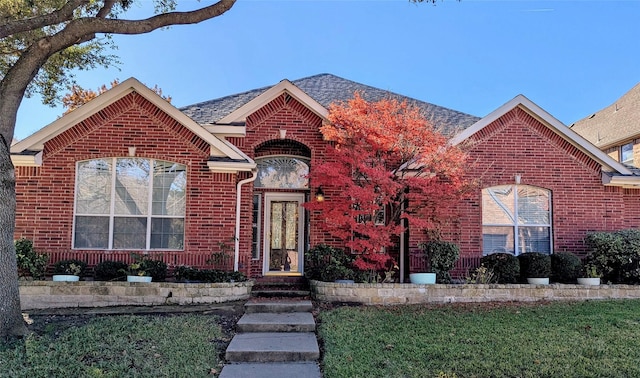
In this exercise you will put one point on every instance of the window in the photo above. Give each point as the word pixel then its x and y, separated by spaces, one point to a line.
pixel 626 153
pixel 129 203
pixel 255 227
pixel 516 219
pixel 283 172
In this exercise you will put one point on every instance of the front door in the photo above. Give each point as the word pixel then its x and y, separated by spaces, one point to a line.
pixel 283 234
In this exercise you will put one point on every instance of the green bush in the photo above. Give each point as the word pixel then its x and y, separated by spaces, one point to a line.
pixel 189 274
pixel 534 265
pixel 72 266
pixel 29 261
pixel 155 268
pixel 505 267
pixel 441 257
pixel 326 263
pixel 616 255
pixel 109 270
pixel 565 267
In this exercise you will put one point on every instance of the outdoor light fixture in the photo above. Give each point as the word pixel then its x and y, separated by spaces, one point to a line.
pixel 319 194
pixel 518 178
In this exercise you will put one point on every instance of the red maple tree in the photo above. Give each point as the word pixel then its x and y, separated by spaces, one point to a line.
pixel 385 163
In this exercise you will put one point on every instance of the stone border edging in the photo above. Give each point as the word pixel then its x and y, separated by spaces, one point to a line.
pixel 49 294
pixel 393 294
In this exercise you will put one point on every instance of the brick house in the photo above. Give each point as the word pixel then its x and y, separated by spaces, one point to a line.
pixel 129 172
pixel 616 128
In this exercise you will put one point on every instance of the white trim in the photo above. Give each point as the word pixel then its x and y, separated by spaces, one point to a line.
pixel 224 131
pixel 230 167
pixel 285 86
pixel 37 140
pixel 629 182
pixel 27 160
pixel 608 163
pixel 236 254
pixel 266 239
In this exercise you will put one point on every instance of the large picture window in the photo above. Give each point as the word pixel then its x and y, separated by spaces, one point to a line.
pixel 516 219
pixel 129 203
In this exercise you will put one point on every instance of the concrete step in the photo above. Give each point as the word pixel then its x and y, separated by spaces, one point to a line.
pixel 273 347
pixel 271 369
pixel 256 305
pixel 277 322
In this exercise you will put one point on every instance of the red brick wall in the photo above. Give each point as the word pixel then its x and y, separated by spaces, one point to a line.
pixel 263 136
pixel 519 144
pixel 45 195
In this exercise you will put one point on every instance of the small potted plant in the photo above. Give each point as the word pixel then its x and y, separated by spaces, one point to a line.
pixel 535 267
pixel 137 271
pixel 68 270
pixel 589 276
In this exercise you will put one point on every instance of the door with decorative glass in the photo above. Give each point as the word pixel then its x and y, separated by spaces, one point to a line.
pixel 283 234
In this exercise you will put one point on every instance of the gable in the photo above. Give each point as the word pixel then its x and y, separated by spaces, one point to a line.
pixel 224 156
pixel 549 126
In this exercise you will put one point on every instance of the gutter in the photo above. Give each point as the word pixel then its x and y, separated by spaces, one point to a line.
pixel 253 177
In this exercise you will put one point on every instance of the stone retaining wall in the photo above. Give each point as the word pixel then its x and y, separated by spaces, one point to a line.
pixel 49 294
pixel 392 294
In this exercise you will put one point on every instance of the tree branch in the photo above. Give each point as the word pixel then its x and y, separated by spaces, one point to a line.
pixel 63 14
pixel 106 8
pixel 117 26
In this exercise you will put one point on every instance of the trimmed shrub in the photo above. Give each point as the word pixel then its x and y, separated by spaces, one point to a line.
pixel 155 268
pixel 505 267
pixel 441 258
pixel 189 274
pixel 29 261
pixel 565 267
pixel 72 266
pixel 326 263
pixel 534 265
pixel 109 270
pixel 616 255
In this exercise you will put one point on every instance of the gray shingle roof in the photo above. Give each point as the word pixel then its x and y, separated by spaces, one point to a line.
pixel 616 123
pixel 327 89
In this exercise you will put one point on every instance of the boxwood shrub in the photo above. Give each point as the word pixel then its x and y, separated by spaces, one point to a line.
pixel 189 274
pixel 110 270
pixel 534 265
pixel 505 267
pixel 155 268
pixel 565 267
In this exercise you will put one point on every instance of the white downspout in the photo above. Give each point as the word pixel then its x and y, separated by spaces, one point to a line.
pixel 236 258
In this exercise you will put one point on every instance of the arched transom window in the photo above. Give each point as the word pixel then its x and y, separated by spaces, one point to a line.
pixel 282 172
pixel 516 219
pixel 129 203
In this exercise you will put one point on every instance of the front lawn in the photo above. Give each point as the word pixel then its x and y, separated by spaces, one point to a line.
pixel 583 339
pixel 118 346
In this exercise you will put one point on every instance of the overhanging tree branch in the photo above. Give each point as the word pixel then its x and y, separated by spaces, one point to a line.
pixel 61 15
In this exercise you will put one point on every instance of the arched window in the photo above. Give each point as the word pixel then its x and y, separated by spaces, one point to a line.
pixel 129 203
pixel 516 219
pixel 282 172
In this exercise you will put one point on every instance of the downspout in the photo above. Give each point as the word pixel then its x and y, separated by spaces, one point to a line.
pixel 236 258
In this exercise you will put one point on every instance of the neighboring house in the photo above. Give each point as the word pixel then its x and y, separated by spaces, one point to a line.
pixel 616 128
pixel 129 172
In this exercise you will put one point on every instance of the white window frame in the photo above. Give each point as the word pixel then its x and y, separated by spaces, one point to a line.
pixel 257 227
pixel 111 215
pixel 516 224
pixel 627 161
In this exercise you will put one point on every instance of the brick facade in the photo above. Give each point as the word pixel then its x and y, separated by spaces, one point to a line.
pixel 514 144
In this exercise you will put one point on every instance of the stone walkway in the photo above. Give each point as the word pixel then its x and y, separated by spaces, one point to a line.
pixel 274 339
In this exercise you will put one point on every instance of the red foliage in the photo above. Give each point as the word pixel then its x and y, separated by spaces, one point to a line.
pixel 384 155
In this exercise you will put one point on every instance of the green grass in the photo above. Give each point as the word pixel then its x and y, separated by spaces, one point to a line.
pixel 119 346
pixel 586 339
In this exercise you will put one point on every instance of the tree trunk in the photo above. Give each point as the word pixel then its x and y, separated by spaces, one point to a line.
pixel 11 322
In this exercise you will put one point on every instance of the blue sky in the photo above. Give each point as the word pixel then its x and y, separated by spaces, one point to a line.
pixel 572 58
